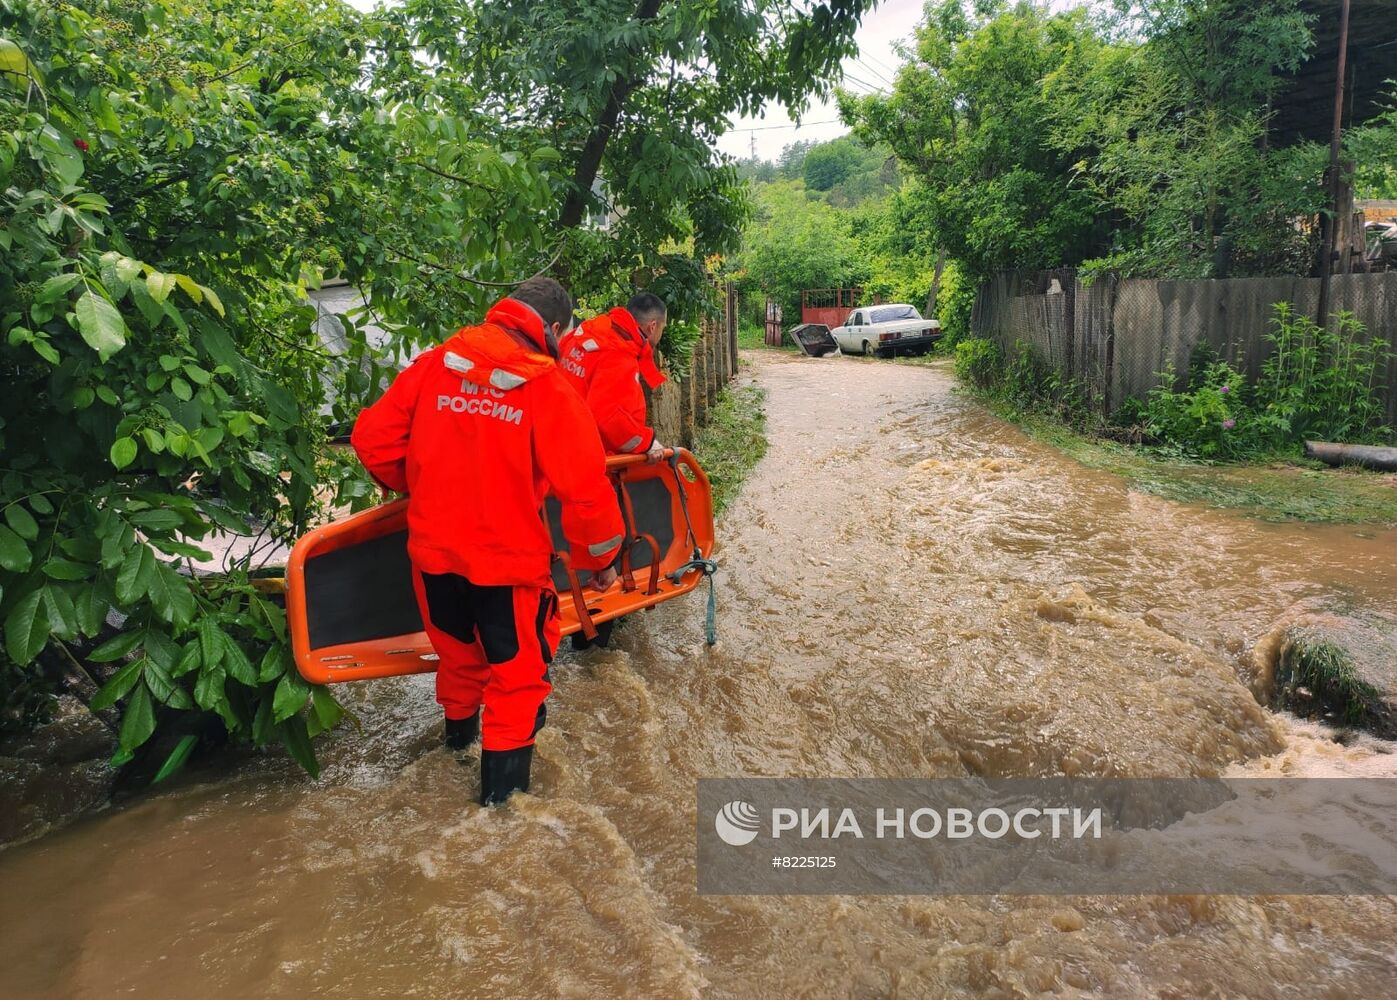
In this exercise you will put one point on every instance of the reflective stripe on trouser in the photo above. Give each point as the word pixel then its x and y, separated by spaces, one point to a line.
pixel 494 644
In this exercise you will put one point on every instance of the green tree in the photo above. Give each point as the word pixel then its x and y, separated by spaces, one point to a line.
pixel 796 241
pixel 966 118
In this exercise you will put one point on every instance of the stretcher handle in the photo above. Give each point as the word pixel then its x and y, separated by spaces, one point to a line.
pixel 622 461
pixel 579 602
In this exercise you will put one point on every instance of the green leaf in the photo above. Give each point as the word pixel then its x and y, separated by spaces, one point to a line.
pixel 26 629
pixel 294 736
pixel 290 697
pixel 176 759
pixel 159 286
pixel 127 269
pixel 212 642
pixel 63 616
pixel 123 452
pixel 135 575
pixel 15 67
pixel 327 709
pixel 118 684
pixel 116 647
pixel 262 725
pixel 208 689
pixel 214 300
pixel 66 569
pixel 100 324
pixel 57 286
pixel 22 521
pixel 157 519
pixel 273 664
pixel 14 554
pixel 235 661
pixel 93 605
pixel 188 660
pixel 181 389
pixel 171 596
pixel 139 720
pixel 190 287
pixel 164 688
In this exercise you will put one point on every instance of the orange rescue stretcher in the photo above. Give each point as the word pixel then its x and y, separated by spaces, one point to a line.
pixel 349 595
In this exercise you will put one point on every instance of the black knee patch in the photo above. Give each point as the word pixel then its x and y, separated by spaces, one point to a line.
pixel 449 604
pixel 499 633
pixel 547 607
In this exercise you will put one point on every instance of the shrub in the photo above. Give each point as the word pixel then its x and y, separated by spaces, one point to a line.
pixel 980 362
pixel 1319 381
pixel 1203 419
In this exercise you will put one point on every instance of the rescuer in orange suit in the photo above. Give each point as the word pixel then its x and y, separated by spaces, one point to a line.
pixel 476 431
pixel 607 359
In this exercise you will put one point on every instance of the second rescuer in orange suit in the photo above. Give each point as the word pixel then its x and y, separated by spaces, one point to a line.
pixel 476 432
pixel 607 359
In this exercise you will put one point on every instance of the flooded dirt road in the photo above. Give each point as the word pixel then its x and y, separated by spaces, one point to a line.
pixel 910 587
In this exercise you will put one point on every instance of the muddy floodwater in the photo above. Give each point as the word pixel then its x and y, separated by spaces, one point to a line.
pixel 910 587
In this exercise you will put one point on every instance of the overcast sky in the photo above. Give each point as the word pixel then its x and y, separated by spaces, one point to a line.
pixel 891 22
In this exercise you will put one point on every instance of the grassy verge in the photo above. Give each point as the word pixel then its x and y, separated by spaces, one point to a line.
pixel 1281 488
pixel 733 440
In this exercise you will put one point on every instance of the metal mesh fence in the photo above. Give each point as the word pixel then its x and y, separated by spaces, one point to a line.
pixel 1115 337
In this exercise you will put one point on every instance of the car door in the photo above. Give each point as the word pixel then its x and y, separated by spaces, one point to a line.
pixel 850 334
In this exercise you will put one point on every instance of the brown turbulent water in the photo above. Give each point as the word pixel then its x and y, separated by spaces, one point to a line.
pixel 910 588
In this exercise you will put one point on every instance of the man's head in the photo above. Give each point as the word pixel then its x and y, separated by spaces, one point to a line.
pixel 551 301
pixel 650 315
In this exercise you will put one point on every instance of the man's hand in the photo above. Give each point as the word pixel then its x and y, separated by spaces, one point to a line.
pixel 655 454
pixel 603 579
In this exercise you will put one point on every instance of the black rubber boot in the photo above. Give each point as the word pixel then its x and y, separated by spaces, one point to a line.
pixel 504 772
pixel 603 639
pixel 461 733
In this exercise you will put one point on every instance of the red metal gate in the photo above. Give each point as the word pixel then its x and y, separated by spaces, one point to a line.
pixel 829 306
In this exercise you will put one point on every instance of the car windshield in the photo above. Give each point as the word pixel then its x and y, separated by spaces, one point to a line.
pixel 891 314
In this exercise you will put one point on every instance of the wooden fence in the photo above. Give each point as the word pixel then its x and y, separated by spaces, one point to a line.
pixel 680 406
pixel 1114 337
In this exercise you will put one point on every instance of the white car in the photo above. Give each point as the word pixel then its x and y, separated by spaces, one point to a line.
pixel 889 330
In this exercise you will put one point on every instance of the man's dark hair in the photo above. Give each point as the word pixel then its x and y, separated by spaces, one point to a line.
pixel 547 298
pixel 645 306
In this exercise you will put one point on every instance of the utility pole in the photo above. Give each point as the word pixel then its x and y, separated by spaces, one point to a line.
pixel 754 146
pixel 1329 225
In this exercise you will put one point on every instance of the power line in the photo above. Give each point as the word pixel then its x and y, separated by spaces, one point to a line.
pixel 878 62
pixel 767 128
pixel 873 72
pixel 864 83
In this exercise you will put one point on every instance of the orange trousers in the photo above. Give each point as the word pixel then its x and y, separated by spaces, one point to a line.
pixel 494 646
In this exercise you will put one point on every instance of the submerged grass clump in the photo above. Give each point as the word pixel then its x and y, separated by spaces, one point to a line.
pixel 733 440
pixel 1320 672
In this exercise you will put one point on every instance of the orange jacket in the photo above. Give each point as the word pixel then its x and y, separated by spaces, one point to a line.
pixel 476 432
pixel 605 359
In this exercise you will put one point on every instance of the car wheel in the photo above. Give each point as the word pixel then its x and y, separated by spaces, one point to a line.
pixel 868 350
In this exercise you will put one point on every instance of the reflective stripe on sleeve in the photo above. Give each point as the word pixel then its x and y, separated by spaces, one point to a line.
pixel 602 548
pixel 633 443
